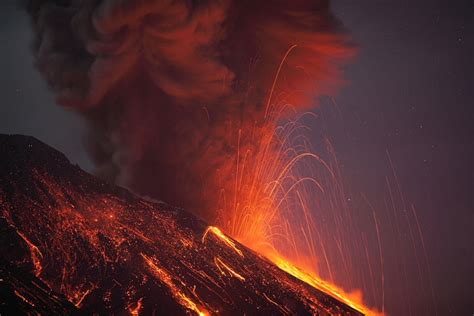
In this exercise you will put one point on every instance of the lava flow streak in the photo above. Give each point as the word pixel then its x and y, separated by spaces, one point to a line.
pixel 35 254
pixel 219 263
pixel 166 278
pixel 323 286
pixel 135 311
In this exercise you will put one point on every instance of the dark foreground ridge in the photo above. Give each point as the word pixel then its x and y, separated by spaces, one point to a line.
pixel 71 243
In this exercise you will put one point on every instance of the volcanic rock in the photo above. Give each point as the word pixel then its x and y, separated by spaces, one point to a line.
pixel 71 243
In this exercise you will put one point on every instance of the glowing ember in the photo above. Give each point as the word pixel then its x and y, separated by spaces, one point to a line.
pixel 135 311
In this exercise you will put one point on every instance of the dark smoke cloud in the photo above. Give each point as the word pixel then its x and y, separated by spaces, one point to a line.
pixel 168 85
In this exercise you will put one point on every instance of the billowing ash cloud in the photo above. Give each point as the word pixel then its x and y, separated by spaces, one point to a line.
pixel 168 86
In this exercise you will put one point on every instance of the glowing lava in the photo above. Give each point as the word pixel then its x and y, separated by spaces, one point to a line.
pixel 354 300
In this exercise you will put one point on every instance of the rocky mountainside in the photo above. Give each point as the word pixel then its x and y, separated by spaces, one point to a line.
pixel 71 243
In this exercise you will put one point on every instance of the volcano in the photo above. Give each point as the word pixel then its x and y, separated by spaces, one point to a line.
pixel 73 244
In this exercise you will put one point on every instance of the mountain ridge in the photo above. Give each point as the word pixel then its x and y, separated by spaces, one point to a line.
pixel 101 249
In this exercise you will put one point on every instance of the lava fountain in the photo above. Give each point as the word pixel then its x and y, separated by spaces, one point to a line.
pixel 277 185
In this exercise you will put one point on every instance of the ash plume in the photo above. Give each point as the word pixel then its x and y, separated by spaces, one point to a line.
pixel 173 91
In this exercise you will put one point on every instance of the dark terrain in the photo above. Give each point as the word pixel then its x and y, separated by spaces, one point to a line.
pixel 71 243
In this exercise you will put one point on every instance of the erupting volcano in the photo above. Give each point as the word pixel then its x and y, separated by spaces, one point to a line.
pixel 195 103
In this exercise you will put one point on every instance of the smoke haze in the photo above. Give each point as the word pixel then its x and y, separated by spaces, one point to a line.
pixel 174 90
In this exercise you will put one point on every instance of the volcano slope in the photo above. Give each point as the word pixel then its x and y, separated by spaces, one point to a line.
pixel 71 243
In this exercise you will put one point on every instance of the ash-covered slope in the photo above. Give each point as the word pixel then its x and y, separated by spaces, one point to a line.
pixel 108 251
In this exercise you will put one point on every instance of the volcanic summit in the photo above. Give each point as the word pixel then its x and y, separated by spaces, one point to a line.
pixel 72 243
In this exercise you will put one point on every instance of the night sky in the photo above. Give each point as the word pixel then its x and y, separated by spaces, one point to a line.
pixel 408 96
pixel 410 93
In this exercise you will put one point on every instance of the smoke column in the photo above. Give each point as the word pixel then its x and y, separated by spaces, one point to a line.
pixel 173 91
